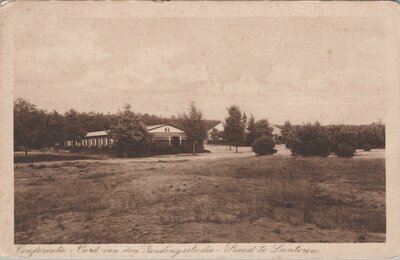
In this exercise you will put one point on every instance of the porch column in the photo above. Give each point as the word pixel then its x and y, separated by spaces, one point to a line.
pixel 169 140
pixel 180 140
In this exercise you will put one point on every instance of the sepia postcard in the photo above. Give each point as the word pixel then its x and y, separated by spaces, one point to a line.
pixel 200 129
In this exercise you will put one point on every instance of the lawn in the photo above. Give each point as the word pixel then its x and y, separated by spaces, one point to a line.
pixel 255 199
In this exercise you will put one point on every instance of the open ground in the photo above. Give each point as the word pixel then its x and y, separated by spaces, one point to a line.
pixel 210 198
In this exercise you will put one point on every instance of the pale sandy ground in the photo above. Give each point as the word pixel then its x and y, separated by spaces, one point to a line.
pixel 221 196
pixel 223 151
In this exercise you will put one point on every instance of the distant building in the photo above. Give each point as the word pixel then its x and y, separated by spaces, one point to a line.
pixel 166 132
pixel 161 133
pixel 277 133
pixel 219 127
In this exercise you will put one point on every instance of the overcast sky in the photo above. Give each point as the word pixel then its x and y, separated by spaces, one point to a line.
pixel 326 69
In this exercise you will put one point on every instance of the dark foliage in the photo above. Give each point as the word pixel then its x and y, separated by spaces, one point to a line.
pixel 358 136
pixel 264 145
pixel 310 140
pixel 194 127
pixel 345 150
pixel 367 147
pixel 234 132
pixel 161 148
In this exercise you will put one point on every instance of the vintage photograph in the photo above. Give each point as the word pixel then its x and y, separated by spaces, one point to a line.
pixel 199 130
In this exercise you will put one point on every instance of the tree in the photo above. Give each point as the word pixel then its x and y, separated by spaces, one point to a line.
pixel 345 150
pixel 311 140
pixel 288 131
pixel 194 127
pixel 234 127
pixel 263 128
pixel 55 128
pixel 74 128
pixel 26 124
pixel 251 131
pixel 130 134
pixel 344 135
pixel 373 134
pixel 257 129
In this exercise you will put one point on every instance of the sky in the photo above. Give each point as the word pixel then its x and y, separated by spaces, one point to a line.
pixel 297 69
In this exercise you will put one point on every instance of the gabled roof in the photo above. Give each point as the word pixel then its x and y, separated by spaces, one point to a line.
pixel 210 124
pixel 276 130
pixel 151 127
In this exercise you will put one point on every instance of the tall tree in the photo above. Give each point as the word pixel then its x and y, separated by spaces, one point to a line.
pixel 288 133
pixel 263 128
pixel 26 124
pixel 74 127
pixel 234 127
pixel 251 130
pixel 130 134
pixel 194 127
pixel 55 129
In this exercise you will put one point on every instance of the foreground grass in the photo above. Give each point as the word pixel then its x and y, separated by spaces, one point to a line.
pixel 46 157
pixel 257 199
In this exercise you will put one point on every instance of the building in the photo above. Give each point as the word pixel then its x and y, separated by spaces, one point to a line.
pixel 219 127
pixel 166 132
pixel 161 133
pixel 277 134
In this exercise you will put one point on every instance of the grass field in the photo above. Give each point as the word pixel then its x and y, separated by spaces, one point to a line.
pixel 254 199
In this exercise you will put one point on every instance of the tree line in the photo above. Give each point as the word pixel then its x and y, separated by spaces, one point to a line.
pixel 306 140
pixel 35 128
pixel 343 140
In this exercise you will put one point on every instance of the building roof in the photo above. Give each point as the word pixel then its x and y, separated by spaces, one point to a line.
pixel 151 127
pixel 210 124
pixel 97 133
pixel 275 129
pixel 107 132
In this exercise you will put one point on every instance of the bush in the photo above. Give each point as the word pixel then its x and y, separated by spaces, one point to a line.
pixel 162 148
pixel 345 150
pixel 367 147
pixel 264 145
pixel 310 140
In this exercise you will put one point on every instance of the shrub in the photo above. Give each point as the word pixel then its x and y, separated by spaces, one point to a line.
pixel 345 150
pixel 264 145
pixel 310 140
pixel 343 134
pixel 187 147
pixel 367 147
pixel 161 148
